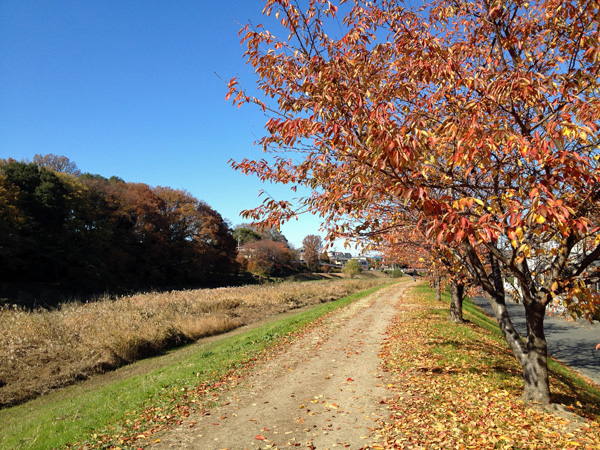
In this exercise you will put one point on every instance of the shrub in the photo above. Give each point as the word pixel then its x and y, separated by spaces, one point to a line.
pixel 352 268
pixel 396 273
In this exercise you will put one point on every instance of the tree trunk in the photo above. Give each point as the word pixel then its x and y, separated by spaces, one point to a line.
pixel 438 288
pixel 458 291
pixel 531 354
pixel 535 365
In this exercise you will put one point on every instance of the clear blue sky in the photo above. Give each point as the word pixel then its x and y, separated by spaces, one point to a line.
pixel 132 89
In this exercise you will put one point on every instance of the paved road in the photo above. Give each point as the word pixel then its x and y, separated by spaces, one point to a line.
pixel 573 343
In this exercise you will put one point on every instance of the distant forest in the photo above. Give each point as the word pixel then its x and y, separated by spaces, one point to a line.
pixel 85 233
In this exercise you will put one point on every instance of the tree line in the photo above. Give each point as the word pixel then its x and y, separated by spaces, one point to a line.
pixel 87 233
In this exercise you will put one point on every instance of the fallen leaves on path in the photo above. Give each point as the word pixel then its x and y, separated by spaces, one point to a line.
pixel 458 388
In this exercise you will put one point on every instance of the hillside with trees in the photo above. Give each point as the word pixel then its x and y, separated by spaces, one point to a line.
pixel 74 233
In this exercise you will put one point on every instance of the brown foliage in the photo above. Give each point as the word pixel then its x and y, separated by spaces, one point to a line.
pixel 312 246
pixel 264 257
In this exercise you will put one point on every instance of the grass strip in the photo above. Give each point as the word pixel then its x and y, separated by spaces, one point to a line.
pixel 458 386
pixel 129 410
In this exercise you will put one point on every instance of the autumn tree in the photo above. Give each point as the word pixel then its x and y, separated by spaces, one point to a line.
pixel 12 220
pixel 265 257
pixel 263 250
pixel 197 244
pixel 408 244
pixel 56 163
pixel 481 117
pixel 312 245
pixel 443 265
pixel 40 200
pixel 215 247
pixel 459 275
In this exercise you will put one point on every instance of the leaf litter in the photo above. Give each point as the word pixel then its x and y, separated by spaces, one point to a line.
pixel 456 388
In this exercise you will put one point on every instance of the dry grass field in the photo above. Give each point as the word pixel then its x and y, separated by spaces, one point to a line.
pixel 42 350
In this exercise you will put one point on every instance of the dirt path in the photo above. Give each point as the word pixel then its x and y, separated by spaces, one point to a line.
pixel 323 392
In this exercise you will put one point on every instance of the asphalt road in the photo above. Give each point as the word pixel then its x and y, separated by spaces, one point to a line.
pixel 573 343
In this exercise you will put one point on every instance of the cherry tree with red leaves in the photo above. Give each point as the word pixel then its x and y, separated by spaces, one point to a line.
pixel 478 116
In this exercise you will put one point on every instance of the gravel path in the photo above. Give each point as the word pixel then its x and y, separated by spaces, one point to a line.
pixel 323 392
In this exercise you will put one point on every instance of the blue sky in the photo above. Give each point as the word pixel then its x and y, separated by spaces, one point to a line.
pixel 132 89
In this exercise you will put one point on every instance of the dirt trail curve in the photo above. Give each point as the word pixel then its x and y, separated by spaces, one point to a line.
pixel 323 392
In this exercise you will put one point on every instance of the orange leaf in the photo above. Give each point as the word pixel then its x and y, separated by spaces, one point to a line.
pixel 260 437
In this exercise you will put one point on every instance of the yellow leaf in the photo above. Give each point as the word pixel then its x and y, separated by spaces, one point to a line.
pixel 525 249
pixel 519 232
pixel 540 219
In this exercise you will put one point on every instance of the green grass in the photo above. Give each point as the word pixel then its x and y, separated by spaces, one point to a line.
pixel 76 413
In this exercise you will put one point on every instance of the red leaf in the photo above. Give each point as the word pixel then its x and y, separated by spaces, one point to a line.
pixel 260 437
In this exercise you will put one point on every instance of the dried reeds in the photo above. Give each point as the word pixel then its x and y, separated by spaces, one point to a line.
pixel 43 349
